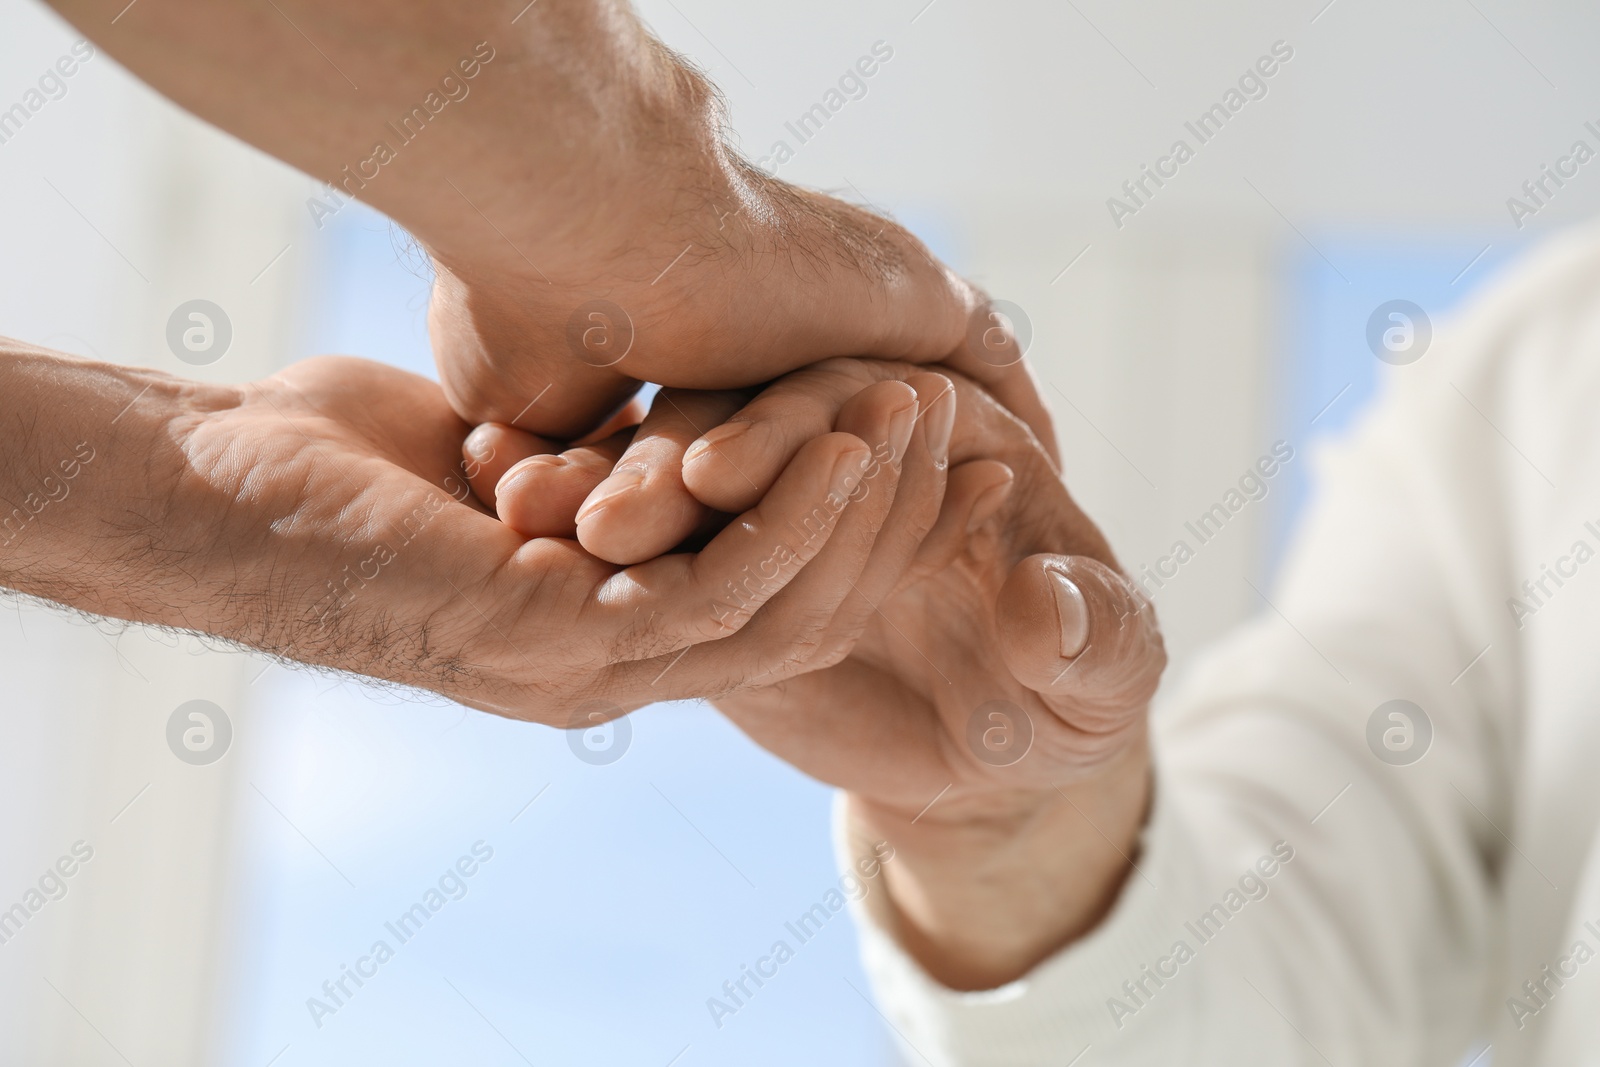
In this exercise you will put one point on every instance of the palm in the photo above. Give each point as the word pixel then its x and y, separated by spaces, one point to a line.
pixel 345 475
pixel 343 499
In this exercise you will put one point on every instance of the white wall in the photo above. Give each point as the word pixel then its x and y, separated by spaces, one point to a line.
pixel 118 208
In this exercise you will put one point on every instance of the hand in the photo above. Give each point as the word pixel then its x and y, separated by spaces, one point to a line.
pixel 548 158
pixel 1012 623
pixel 322 514
pixel 991 725
pixel 758 279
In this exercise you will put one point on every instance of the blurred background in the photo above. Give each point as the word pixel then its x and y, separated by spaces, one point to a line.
pixel 1179 337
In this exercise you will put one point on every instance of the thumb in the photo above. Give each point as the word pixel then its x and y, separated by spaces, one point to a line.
pixel 1082 637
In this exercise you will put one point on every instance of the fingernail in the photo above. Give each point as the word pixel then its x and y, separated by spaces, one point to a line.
pixel 477 443
pixel 901 423
pixel 941 419
pixel 1072 613
pixel 621 481
pixel 527 464
pixel 847 469
pixel 712 438
pixel 985 506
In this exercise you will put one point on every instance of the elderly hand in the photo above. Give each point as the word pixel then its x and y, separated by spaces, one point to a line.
pixel 989 720
pixel 322 514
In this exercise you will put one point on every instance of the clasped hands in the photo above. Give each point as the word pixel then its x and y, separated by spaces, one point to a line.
pixel 870 565
pixel 855 564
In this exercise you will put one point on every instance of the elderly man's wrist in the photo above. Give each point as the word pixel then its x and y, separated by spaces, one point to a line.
pixel 984 891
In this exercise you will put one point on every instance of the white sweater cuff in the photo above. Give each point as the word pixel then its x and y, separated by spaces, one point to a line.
pixel 1060 1007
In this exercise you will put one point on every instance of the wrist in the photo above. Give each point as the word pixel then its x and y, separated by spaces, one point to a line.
pixel 987 888
pixel 627 136
pixel 92 487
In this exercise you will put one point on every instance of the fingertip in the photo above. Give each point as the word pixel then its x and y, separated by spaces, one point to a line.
pixel 727 468
pixel 643 515
pixel 491 450
pixel 884 412
pixel 851 458
pixel 715 439
pixel 535 497
pixel 540 496
pixel 1072 626
pixel 480 442
pixel 936 404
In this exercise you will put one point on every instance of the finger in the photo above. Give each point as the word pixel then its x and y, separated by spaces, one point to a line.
pixel 894 508
pixel 918 492
pixel 642 508
pixel 662 607
pixel 973 495
pixel 630 414
pixel 991 354
pixel 731 465
pixel 494 448
pixel 551 372
pixel 786 635
pixel 1082 637
pixel 540 496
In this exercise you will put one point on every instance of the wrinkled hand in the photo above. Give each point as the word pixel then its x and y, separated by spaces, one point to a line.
pixel 329 508
pixel 1000 687
pixel 1012 597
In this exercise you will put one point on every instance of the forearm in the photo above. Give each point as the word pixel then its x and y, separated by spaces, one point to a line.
pixel 86 484
pixel 984 890
pixel 135 495
pixel 393 102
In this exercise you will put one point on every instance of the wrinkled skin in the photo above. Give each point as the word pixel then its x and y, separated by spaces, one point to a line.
pixel 975 618
pixel 344 540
